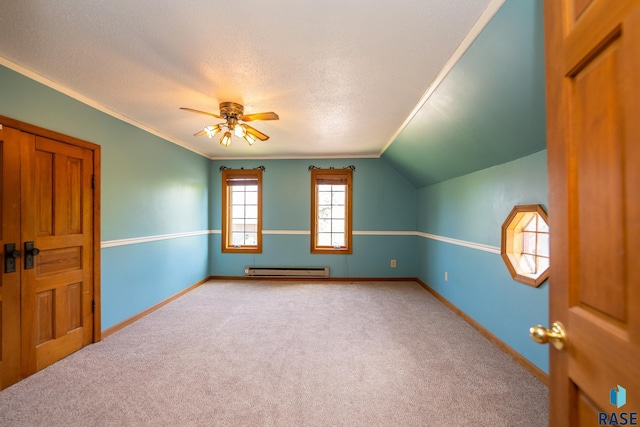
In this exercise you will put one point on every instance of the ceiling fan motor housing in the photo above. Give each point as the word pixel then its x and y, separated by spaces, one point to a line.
pixel 231 110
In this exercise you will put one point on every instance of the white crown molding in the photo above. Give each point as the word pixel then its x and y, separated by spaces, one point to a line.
pixel 81 98
pixel 311 157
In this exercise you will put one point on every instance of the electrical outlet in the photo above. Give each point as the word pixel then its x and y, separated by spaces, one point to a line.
pixel 446 276
pixel 393 263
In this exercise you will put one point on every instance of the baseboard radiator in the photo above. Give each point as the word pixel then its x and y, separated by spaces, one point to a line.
pixel 287 271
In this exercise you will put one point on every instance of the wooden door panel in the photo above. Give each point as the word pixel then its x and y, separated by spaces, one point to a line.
pixel 44 193
pixel 74 306
pixel 9 233
pixel 587 413
pixel 44 316
pixel 60 294
pixel 52 351
pixel 602 356
pixel 59 290
pixel 74 194
pixel 598 150
pixel 593 57
pixel 59 260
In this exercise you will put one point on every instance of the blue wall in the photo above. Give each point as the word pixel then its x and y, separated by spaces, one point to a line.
pixel 149 187
pixel 472 208
pixel 488 110
pixel 384 206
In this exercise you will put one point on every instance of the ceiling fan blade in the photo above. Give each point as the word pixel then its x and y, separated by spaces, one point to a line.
pixel 201 112
pixel 255 132
pixel 259 116
pixel 202 132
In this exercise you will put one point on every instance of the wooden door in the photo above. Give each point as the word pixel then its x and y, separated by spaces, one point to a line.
pixel 9 234
pixel 49 196
pixel 57 294
pixel 593 120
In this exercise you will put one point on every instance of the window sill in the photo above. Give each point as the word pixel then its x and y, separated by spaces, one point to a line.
pixel 329 251
pixel 243 250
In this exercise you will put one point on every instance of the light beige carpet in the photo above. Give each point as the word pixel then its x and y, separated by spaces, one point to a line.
pixel 261 353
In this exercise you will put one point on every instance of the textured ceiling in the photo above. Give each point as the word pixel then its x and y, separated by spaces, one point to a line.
pixel 344 76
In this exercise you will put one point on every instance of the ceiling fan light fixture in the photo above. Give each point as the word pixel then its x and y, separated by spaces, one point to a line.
pixel 212 130
pixel 225 141
pixel 240 131
pixel 249 138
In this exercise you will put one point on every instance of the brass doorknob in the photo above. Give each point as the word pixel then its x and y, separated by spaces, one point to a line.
pixel 555 335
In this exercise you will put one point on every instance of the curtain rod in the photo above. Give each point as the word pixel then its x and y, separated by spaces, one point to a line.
pixel 226 168
pixel 311 167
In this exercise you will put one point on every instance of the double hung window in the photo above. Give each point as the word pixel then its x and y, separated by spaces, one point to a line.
pixel 242 211
pixel 331 211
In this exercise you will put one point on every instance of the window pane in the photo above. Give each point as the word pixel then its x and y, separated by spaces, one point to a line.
pixel 543 263
pixel 542 226
pixel 324 187
pixel 531 225
pixel 337 212
pixel 337 239
pixel 529 242
pixel 237 198
pixel 324 198
pixel 237 239
pixel 337 225
pixel 251 239
pixel 528 263
pixel 237 211
pixel 324 239
pixel 338 196
pixel 238 226
pixel 251 188
pixel 252 198
pixel 251 211
pixel 324 212
pixel 324 225
pixel 543 244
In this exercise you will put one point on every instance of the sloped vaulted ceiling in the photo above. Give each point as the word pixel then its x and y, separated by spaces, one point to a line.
pixel 489 109
pixel 342 75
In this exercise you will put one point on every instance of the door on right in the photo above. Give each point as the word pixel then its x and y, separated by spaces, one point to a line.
pixel 593 136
